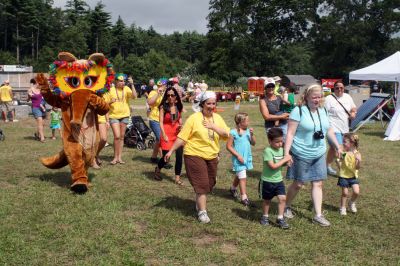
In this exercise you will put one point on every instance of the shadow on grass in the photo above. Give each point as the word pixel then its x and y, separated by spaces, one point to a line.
pixel 61 179
pixel 30 138
pixel 379 134
pixel 174 203
pixel 141 158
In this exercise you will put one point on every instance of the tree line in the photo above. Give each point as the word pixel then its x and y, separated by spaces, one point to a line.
pixel 324 38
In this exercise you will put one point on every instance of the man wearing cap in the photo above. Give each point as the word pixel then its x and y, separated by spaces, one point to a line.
pixel 6 97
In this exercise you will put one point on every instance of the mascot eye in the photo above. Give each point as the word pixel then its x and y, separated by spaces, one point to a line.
pixel 90 81
pixel 73 82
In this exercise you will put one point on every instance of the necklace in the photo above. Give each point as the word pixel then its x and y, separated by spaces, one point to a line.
pixel 122 97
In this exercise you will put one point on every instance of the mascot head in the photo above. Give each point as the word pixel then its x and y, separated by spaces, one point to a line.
pixel 68 74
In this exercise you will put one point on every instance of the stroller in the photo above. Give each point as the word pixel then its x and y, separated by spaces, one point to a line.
pixel 137 133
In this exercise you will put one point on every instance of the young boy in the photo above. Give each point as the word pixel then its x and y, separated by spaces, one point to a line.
pixel 271 183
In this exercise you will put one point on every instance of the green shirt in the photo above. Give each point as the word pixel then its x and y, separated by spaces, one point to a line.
pixel 268 174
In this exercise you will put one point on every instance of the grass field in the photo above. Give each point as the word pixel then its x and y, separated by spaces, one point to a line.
pixel 127 218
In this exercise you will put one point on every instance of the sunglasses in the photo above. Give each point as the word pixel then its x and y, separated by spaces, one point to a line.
pixel 336 88
pixel 170 95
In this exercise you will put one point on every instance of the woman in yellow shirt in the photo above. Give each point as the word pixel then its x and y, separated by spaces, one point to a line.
pixel 153 100
pixel 119 114
pixel 200 135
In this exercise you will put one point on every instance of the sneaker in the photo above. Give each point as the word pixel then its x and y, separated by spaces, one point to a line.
pixel 288 213
pixel 331 171
pixel 321 221
pixel 233 192
pixel 246 202
pixel 343 211
pixel 352 207
pixel 282 223
pixel 203 217
pixel 153 160
pixel 15 120
pixel 107 144
pixel 264 220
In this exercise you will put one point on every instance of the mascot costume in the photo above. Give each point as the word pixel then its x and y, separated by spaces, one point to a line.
pixel 76 87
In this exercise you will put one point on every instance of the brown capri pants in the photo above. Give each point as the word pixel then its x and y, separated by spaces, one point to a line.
pixel 201 173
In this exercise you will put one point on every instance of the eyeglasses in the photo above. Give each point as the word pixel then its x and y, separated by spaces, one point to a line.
pixel 170 95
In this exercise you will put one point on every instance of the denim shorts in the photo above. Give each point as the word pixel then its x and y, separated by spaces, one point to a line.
pixel 339 138
pixel 268 190
pixel 306 170
pixel 347 182
pixel 38 112
pixel 124 120
pixel 155 126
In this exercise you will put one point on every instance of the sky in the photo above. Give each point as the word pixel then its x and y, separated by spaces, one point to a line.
pixel 166 16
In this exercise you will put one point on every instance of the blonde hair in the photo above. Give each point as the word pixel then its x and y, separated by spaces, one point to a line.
pixel 353 138
pixel 311 89
pixel 239 117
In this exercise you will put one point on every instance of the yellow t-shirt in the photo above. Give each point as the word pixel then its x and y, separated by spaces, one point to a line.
pixel 200 141
pixel 348 166
pixel 120 108
pixel 155 112
pixel 5 95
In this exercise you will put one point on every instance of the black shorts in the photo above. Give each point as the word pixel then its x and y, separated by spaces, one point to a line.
pixel 269 190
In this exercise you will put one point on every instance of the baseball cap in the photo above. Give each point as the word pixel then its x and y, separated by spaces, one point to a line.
pixel 269 81
pixel 277 78
pixel 121 78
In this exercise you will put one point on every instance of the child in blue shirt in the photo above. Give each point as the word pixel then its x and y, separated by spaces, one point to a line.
pixel 238 144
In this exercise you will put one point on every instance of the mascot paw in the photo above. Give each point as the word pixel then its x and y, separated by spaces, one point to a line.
pixel 80 186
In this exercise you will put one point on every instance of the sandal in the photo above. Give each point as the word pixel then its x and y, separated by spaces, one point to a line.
pixel 121 162
pixel 98 161
pixel 113 162
pixel 157 174
pixel 179 182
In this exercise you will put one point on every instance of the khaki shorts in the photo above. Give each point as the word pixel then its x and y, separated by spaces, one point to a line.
pixel 201 173
pixel 5 106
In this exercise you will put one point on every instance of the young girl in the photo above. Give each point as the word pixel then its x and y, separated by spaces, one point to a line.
pixel 55 119
pixel 348 172
pixel 238 145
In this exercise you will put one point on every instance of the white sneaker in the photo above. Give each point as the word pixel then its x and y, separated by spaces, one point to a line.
pixel 343 211
pixel 352 207
pixel 203 217
pixel 331 171
pixel 321 220
pixel 15 120
pixel 288 213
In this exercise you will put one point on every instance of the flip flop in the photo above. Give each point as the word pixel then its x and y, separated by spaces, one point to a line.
pixel 113 162
pixel 179 182
pixel 121 162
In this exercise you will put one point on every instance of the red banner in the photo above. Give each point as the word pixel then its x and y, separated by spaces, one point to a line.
pixel 329 82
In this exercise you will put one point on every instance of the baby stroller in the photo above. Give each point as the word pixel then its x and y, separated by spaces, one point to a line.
pixel 137 133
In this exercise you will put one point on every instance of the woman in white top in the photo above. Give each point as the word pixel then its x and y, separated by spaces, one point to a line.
pixel 341 110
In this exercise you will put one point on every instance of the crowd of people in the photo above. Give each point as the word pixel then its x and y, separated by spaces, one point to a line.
pixel 296 134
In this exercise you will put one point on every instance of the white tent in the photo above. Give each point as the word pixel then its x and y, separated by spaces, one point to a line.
pixel 387 69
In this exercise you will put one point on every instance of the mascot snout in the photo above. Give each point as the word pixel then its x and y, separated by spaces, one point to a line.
pixel 79 103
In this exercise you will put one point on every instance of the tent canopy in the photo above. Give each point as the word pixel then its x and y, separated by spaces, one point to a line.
pixel 387 69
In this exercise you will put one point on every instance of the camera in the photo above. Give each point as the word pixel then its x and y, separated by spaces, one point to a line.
pixel 318 135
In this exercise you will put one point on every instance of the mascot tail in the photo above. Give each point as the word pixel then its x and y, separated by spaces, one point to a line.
pixel 55 162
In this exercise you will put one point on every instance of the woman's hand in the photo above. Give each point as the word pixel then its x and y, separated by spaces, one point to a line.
pixel 285 116
pixel 208 125
pixel 339 152
pixel 167 156
pixel 164 136
pixel 113 100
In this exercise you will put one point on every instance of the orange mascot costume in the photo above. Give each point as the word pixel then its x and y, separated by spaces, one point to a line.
pixel 76 87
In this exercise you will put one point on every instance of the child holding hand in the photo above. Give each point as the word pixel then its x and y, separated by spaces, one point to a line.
pixel 238 144
pixel 348 172
pixel 271 183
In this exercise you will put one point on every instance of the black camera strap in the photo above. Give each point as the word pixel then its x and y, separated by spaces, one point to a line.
pixel 319 118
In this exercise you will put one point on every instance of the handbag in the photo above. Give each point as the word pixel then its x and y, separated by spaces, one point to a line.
pixel 347 112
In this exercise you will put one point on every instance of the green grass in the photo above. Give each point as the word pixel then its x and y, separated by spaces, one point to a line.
pixel 127 218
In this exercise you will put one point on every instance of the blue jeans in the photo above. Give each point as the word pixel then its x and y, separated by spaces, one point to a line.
pixel 155 126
